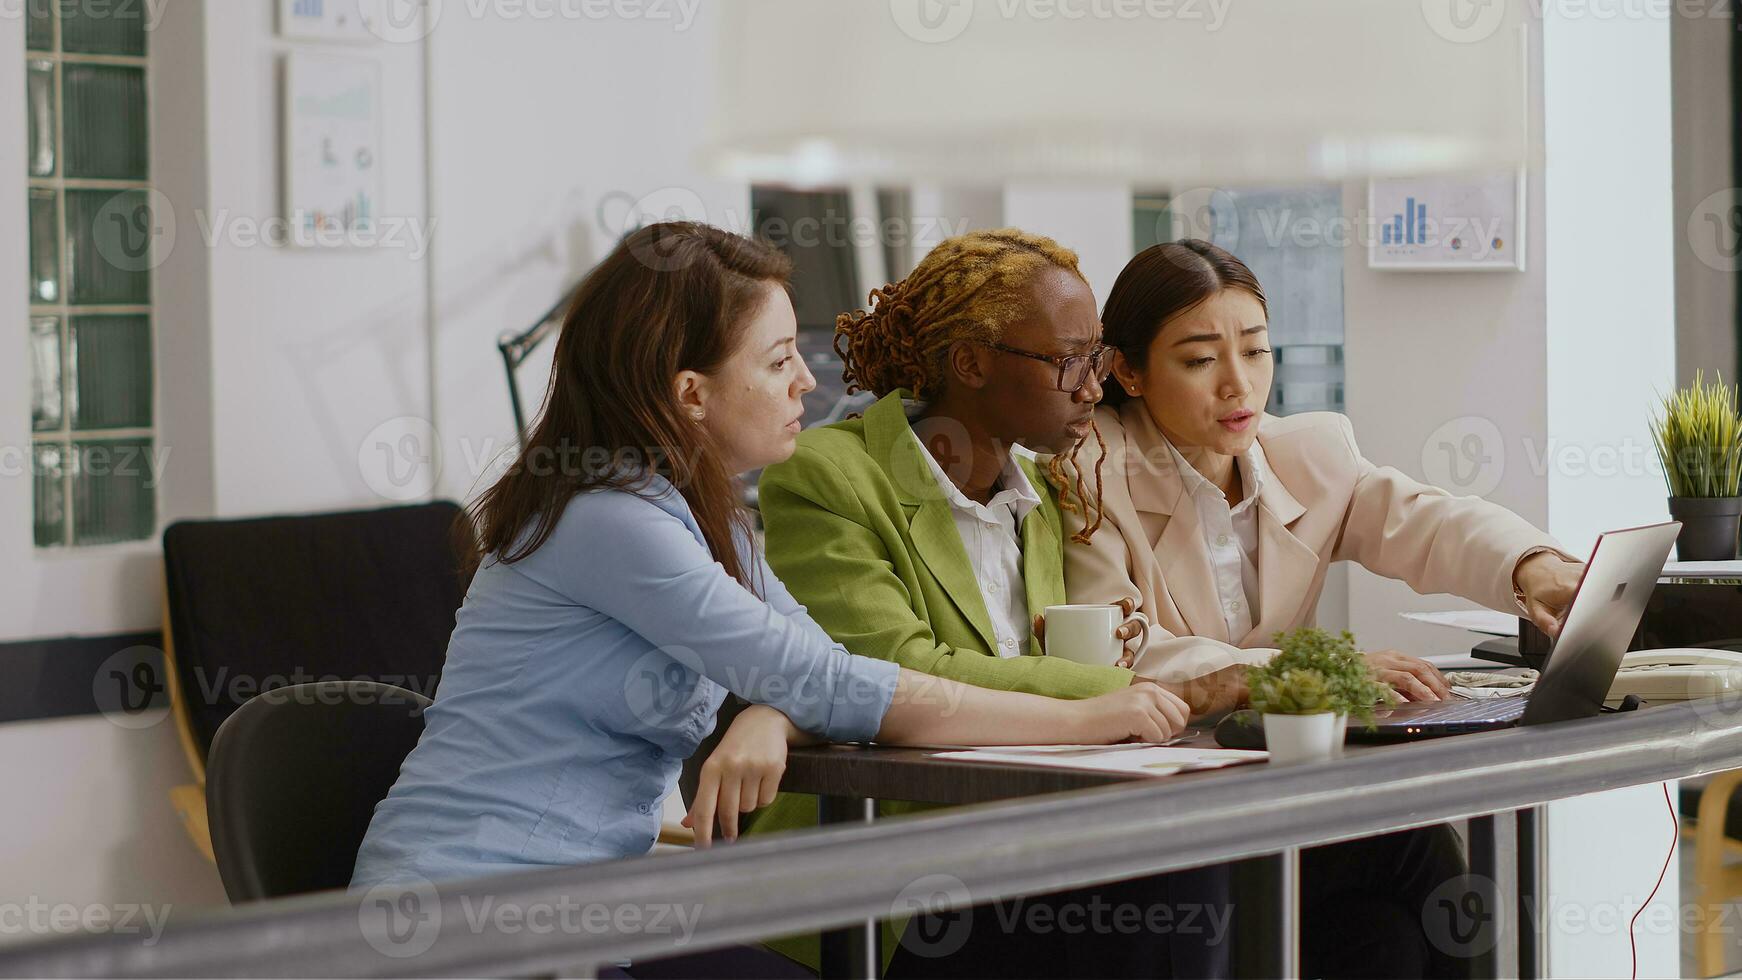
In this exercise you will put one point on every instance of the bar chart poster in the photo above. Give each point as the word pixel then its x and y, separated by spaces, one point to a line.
pixel 1449 223
pixel 332 146
pixel 326 20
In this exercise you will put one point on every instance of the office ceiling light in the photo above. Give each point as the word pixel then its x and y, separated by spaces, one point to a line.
pixel 831 91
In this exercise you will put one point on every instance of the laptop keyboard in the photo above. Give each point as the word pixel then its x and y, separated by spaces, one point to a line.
pixel 1472 709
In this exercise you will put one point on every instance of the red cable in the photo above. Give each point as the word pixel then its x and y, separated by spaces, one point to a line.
pixel 1675 838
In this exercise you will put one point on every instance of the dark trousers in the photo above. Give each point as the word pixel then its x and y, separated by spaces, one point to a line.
pixel 1174 925
pixel 731 963
pixel 1365 906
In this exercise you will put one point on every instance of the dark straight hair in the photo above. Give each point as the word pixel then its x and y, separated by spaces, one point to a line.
pixel 670 297
pixel 1160 283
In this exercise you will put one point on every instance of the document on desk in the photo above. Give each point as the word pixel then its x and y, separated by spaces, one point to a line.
pixel 1142 760
pixel 1702 569
pixel 1475 620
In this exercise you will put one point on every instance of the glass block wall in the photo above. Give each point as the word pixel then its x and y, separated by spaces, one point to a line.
pixel 91 326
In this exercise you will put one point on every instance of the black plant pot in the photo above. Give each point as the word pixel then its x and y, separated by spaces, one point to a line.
pixel 1709 526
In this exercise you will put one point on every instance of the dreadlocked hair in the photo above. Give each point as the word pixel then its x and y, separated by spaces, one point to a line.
pixel 967 288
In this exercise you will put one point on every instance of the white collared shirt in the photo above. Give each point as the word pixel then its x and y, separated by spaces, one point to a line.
pixel 1230 535
pixel 992 536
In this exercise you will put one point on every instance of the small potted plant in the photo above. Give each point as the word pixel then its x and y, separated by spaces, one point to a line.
pixel 1307 691
pixel 1699 442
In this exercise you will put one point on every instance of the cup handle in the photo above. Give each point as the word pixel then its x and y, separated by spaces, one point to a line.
pixel 1143 629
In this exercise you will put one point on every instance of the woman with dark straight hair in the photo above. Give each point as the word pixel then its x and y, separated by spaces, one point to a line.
pixel 1219 522
pixel 619 595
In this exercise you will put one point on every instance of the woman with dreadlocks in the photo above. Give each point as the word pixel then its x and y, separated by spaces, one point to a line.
pixel 920 534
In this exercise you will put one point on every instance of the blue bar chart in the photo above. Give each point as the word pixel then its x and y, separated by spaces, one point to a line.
pixel 1471 222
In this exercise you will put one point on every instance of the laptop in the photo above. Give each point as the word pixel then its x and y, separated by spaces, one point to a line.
pixel 1599 625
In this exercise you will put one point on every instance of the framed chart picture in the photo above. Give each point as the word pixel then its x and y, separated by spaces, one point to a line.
pixel 332 147
pixel 326 20
pixel 1465 224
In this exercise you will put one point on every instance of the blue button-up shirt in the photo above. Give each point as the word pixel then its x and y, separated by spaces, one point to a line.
pixel 579 678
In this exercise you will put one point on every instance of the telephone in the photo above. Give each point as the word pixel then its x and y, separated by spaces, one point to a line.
pixel 1678 674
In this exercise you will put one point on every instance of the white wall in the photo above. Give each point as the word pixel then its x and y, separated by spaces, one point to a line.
pixel 1704 124
pixel 280 370
pixel 87 824
pixel 1095 221
pixel 1611 274
pixel 539 155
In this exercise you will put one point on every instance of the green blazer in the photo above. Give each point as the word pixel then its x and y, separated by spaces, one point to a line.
pixel 860 532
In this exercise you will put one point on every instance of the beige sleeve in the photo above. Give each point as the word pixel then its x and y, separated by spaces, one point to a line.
pixel 1432 541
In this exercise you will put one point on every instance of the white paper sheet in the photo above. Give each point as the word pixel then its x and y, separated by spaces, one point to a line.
pixel 1703 569
pixel 1137 760
pixel 1475 620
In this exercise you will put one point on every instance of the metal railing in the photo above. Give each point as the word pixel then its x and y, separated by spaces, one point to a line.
pixel 830 877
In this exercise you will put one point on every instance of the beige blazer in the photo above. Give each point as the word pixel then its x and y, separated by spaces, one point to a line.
pixel 1322 502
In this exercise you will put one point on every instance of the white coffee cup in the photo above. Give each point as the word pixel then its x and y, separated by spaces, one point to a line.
pixel 1085 633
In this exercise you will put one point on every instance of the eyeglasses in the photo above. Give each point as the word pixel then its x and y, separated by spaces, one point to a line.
pixel 1074 369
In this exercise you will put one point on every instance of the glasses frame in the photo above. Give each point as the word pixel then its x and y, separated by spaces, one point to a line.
pixel 1100 362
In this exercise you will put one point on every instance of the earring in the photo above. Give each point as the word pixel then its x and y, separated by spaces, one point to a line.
pixel 698 415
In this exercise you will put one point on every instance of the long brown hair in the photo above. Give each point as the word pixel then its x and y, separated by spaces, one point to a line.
pixel 671 297
pixel 1160 283
pixel 969 287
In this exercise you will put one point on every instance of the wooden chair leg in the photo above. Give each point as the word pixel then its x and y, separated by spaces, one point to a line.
pixel 1712 883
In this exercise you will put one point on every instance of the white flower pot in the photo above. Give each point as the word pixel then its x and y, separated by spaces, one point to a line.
pixel 1303 738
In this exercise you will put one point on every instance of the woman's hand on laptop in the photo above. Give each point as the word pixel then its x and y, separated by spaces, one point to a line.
pixel 1547 582
pixel 743 772
pixel 1412 677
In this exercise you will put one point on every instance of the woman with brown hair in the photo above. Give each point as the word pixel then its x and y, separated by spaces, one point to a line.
pixel 618 596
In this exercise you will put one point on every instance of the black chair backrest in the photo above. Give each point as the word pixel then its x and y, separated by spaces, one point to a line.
pixel 270 602
pixel 293 779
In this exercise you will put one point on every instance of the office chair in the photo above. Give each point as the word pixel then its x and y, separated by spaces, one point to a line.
pixel 1709 816
pixel 293 779
pixel 268 602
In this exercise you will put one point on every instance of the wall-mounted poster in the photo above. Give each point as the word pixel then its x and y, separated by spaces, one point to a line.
pixel 332 148
pixel 1447 223
pixel 325 20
